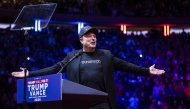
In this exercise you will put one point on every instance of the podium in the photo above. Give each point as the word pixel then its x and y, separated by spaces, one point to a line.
pixel 53 92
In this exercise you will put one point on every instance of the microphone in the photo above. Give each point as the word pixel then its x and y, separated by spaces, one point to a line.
pixel 75 56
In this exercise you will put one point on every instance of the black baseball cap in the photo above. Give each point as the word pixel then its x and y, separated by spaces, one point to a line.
pixel 86 29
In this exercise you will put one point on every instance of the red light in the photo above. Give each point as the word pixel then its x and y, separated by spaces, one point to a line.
pixel 166 30
pixel 121 27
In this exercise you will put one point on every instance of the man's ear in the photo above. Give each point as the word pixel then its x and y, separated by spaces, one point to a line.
pixel 81 40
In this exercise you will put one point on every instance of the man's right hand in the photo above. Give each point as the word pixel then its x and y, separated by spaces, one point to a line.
pixel 20 74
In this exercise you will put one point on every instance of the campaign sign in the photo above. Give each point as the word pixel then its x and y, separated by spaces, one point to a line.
pixel 40 89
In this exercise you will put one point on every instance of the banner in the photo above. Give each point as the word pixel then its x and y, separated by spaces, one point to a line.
pixel 40 89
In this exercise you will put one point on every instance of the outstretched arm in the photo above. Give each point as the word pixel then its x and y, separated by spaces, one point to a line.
pixel 45 71
pixel 119 64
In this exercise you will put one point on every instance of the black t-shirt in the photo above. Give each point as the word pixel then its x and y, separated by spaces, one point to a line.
pixel 91 72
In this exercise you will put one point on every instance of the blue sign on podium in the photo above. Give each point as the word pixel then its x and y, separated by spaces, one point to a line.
pixel 40 89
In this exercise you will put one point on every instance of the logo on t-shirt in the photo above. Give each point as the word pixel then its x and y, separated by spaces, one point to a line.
pixel 91 62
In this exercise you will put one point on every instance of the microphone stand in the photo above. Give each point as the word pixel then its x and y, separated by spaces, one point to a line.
pixel 75 56
pixel 24 102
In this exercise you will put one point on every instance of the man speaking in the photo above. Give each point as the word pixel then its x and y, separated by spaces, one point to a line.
pixel 93 68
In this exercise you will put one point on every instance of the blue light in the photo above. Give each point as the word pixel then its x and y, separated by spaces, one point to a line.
pixel 80 25
pixel 37 25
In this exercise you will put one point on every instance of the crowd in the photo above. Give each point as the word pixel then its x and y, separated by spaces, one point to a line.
pixel 115 8
pixel 172 53
pixel 51 45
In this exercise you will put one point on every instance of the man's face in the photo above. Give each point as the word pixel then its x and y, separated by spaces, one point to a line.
pixel 88 40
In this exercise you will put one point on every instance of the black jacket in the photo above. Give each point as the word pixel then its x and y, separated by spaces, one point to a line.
pixel 109 64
